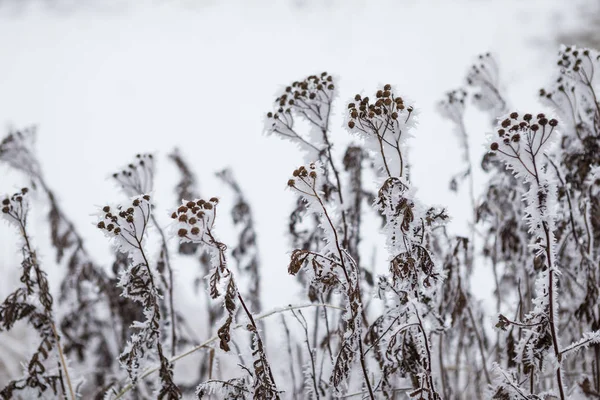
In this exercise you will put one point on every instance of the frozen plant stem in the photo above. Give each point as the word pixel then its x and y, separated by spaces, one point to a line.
pixel 522 140
pixel 19 217
pixel 310 181
pixel 167 259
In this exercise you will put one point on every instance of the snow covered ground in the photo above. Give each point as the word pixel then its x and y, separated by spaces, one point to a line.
pixel 106 80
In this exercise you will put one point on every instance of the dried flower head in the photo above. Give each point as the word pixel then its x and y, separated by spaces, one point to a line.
pixel 579 63
pixel 452 106
pixel 484 76
pixel 194 219
pixel 521 139
pixel 137 177
pixel 14 208
pixel 127 223
pixel 384 125
pixel 309 99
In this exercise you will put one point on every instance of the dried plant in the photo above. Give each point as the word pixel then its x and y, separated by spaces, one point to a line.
pixel 86 288
pixel 34 303
pixel 126 226
pixel 195 223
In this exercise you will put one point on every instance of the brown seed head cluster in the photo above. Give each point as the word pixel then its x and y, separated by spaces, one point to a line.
pixel 13 205
pixel 573 59
pixel 115 220
pixel 311 91
pixel 303 173
pixel 516 128
pixel 386 108
pixel 137 177
pixel 481 70
pixel 192 216
pixel 456 97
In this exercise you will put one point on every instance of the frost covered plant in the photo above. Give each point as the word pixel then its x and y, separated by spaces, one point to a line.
pixel 414 278
pixel 331 267
pixel 86 290
pixel 138 176
pixel 136 179
pixel 484 76
pixel 384 124
pixel 310 99
pixel 522 145
pixel 34 303
pixel 195 221
pixel 126 226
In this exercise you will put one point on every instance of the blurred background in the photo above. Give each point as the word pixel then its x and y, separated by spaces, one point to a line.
pixel 104 80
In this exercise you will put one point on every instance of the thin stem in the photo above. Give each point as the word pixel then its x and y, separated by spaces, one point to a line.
pixel 165 253
pixel 480 343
